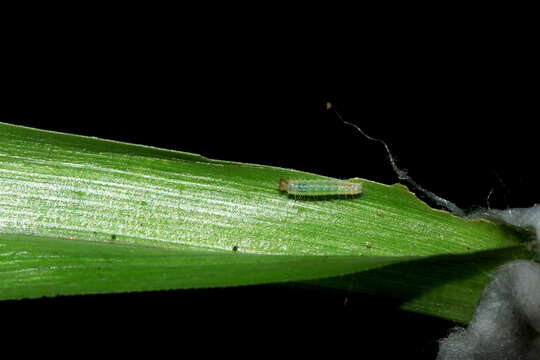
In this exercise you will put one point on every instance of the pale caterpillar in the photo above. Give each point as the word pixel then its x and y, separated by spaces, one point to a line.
pixel 319 187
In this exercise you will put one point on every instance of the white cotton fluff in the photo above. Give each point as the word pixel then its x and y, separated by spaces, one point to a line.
pixel 506 323
pixel 528 218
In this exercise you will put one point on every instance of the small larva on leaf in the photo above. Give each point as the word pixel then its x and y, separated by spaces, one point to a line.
pixel 319 187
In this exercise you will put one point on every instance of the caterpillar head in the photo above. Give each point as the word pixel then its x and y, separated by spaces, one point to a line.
pixel 283 184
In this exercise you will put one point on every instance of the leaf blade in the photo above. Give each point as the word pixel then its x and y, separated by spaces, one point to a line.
pixel 33 267
pixel 71 195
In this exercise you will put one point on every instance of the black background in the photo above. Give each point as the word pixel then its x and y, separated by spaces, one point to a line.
pixel 456 104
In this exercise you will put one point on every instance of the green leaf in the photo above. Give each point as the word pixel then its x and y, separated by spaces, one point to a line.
pixel 81 215
pixel 34 266
pixel 447 286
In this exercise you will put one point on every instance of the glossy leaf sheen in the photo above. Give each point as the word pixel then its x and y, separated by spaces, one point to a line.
pixel 82 215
